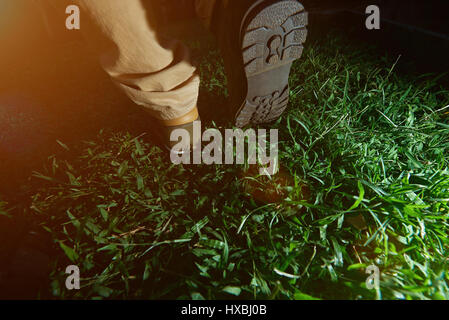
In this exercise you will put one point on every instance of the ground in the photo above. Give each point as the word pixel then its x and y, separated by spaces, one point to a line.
pixel 365 142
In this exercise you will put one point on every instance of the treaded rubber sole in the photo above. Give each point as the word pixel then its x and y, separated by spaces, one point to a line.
pixel 272 38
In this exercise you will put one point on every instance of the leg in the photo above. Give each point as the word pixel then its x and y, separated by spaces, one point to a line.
pixel 259 40
pixel 155 73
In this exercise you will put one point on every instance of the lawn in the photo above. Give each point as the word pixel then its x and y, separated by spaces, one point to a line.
pixel 366 146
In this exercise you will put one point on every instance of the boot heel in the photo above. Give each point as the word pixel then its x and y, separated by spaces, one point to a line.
pixel 272 38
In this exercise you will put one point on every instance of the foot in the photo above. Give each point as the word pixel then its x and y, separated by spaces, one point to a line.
pixel 184 123
pixel 259 41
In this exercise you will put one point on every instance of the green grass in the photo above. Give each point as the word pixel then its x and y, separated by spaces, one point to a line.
pixel 371 144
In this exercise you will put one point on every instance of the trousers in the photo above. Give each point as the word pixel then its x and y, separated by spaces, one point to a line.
pixel 154 72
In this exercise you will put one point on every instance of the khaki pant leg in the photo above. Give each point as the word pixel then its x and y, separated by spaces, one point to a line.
pixel 155 73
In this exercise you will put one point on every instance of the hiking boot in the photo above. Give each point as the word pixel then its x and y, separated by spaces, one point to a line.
pixel 259 41
pixel 186 123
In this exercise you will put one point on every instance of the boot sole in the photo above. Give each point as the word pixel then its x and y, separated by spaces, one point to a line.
pixel 272 38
